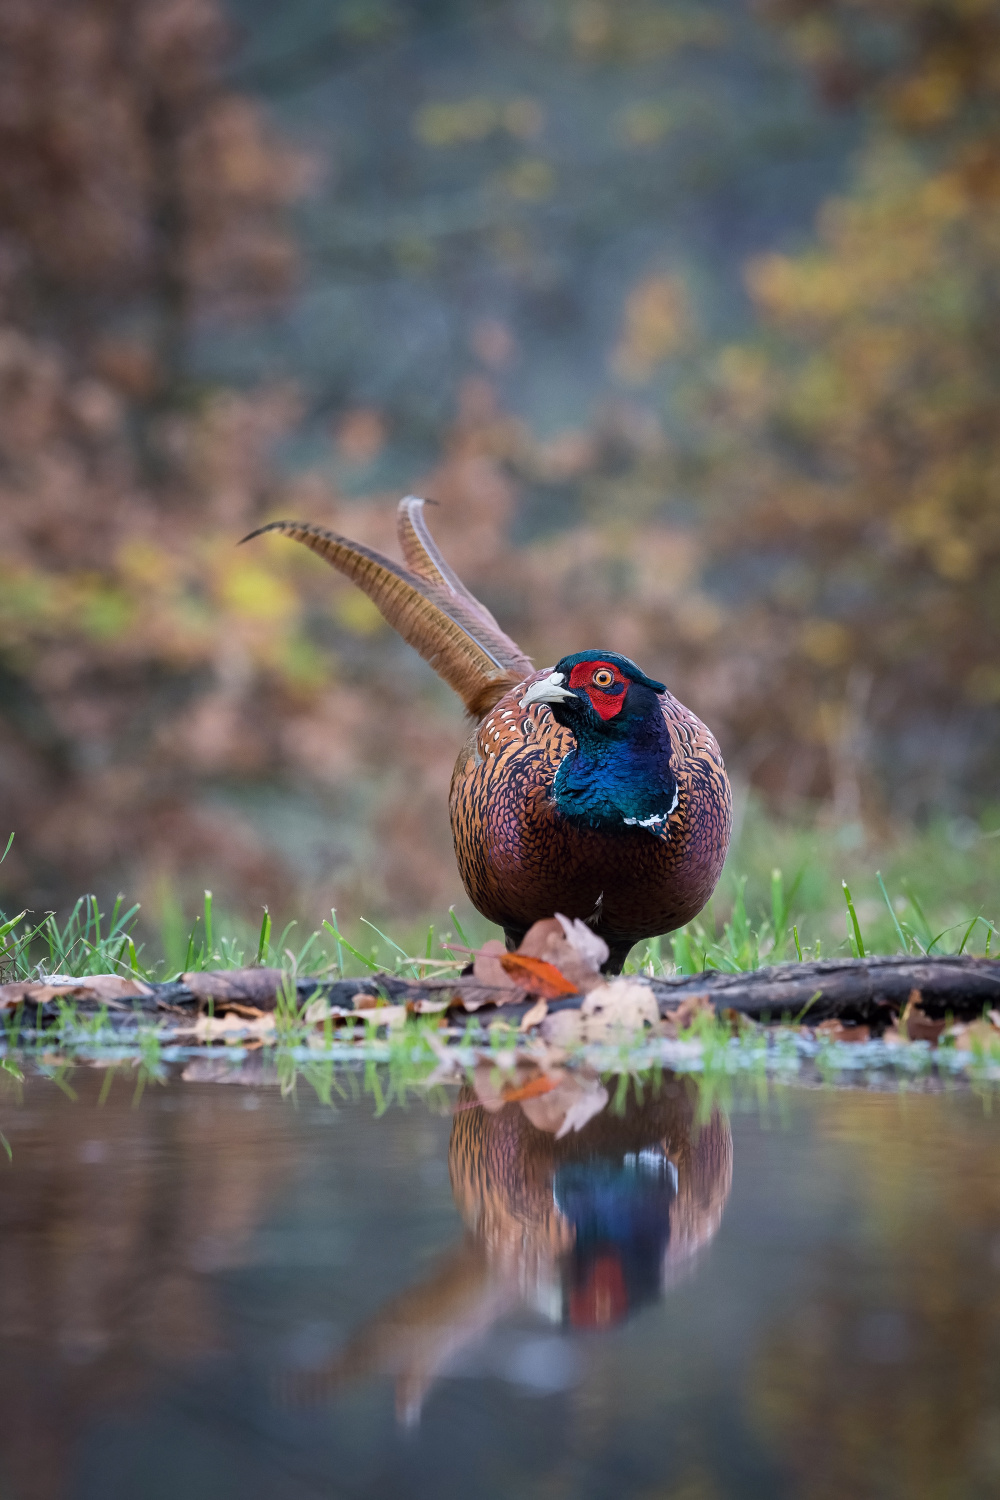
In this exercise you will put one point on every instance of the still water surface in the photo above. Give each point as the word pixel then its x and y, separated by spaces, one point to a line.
pixel 226 1293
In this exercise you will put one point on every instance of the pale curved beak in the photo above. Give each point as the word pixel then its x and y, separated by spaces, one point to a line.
pixel 549 689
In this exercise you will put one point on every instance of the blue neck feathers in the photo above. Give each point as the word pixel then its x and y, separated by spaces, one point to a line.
pixel 619 775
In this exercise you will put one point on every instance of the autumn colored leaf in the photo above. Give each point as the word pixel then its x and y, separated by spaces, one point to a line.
pixel 543 1084
pixel 537 976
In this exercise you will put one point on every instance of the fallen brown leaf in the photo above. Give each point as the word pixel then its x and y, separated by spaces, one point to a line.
pixel 96 988
pixel 488 1081
pixel 488 969
pixel 537 976
pixel 571 947
pixel 618 1005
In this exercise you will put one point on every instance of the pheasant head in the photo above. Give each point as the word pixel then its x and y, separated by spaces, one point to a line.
pixel 620 774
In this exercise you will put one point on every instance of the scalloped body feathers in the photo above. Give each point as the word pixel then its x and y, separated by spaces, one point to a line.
pixel 520 858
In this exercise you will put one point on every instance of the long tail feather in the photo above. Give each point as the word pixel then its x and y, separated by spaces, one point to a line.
pixel 429 607
pixel 424 557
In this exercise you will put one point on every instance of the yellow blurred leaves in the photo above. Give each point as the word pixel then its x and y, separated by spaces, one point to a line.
pixel 641 30
pixel 356 612
pixel 927 99
pixel 250 590
pixel 954 559
pixel 530 180
pixel 657 323
pixel 104 612
pixel 826 642
pixel 646 123
pixel 460 122
pixel 35 604
pixel 983 684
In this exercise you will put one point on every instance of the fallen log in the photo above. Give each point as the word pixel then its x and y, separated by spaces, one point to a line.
pixel 872 990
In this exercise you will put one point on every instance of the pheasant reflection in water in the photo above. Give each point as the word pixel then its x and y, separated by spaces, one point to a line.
pixel 583 1231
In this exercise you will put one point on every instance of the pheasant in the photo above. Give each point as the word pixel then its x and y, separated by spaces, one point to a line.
pixel 585 788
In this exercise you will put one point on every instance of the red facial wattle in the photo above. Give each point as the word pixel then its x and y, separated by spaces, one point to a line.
pixel 607 696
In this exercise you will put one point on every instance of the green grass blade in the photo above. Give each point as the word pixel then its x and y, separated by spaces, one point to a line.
pixel 208 926
pixel 904 945
pixel 401 951
pixel 335 930
pixel 811 1001
pixel 854 921
pixel 264 941
pixel 458 928
pixel 914 901
pixel 968 933
pixel 9 926
pixel 373 967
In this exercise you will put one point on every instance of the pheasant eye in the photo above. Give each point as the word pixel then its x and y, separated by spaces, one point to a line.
pixel 603 678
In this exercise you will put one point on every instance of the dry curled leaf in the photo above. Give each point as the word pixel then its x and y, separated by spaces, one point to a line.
pixel 487 967
pixel 537 976
pixel 591 949
pixel 570 946
pixel 97 989
pixel 618 1005
pixel 563 1028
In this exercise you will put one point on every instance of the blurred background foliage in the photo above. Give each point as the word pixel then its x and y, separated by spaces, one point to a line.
pixel 685 314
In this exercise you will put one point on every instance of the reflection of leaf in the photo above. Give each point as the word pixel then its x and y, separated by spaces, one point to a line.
pixel 233 1028
pixel 836 1031
pixel 977 1036
pixel 533 1089
pixel 556 1100
pixel 684 1017
pixel 535 1016
pixel 575 1099
pixel 916 1025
